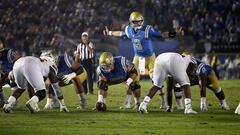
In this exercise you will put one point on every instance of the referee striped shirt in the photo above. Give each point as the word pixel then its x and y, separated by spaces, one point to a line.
pixel 83 51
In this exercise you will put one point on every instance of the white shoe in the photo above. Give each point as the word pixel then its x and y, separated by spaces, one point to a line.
pixel 83 104
pixel 189 111
pixel 203 107
pixel 32 106
pixel 143 108
pixel 237 111
pixel 126 106
pixel 163 106
pixel 7 108
pixel 48 107
pixel 63 108
pixel 37 108
pixel 225 107
pixel 169 109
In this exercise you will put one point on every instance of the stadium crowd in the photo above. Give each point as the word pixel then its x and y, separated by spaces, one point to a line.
pixel 31 24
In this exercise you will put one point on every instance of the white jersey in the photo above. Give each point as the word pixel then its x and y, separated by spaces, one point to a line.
pixel 32 70
pixel 171 64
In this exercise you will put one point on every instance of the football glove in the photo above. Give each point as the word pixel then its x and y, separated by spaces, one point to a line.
pixel 69 77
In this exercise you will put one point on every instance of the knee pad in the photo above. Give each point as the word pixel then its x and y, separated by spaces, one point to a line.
pixel 41 94
pixel 102 85
pixel 134 86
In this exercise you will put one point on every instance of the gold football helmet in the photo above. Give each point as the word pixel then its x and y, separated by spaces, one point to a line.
pixel 106 61
pixel 136 20
pixel 187 53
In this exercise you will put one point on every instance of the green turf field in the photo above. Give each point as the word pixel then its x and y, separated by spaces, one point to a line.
pixel 125 122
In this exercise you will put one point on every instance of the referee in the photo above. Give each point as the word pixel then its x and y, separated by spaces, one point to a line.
pixel 85 53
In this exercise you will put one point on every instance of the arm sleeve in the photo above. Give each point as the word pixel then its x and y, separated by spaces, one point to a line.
pixel 152 33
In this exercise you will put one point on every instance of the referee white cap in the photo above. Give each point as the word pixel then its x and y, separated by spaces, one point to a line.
pixel 84 34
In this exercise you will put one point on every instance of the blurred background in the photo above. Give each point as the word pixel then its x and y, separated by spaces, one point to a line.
pixel 212 27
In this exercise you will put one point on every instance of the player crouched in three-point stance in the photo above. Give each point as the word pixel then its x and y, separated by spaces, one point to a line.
pixel 115 70
pixel 178 67
pixel 205 77
pixel 69 72
pixel 32 70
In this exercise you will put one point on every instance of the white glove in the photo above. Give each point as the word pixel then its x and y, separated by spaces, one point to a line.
pixel 69 77
pixel 63 108
pixel 237 111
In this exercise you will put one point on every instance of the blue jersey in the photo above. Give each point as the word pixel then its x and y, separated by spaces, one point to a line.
pixel 7 57
pixel 64 64
pixel 141 40
pixel 202 68
pixel 119 73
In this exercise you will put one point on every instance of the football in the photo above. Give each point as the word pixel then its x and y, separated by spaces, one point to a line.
pixel 100 106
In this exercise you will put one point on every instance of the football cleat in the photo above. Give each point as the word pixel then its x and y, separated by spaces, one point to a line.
pixel 189 111
pixel 143 108
pixel 63 108
pixel 126 106
pixel 7 108
pixel 83 104
pixel 163 106
pixel 33 107
pixel 225 107
pixel 169 109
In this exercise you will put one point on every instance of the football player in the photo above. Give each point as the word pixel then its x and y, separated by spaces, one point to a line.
pixel 178 67
pixel 205 77
pixel 115 70
pixel 33 70
pixel 141 38
pixel 7 58
pixel 69 72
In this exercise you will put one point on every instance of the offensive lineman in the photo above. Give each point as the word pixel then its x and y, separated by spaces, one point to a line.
pixel 178 67
pixel 32 70
pixel 69 72
pixel 115 70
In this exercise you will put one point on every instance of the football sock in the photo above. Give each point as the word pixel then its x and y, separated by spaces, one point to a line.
pixel 187 103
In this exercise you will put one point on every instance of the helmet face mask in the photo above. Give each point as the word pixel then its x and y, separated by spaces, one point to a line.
pixel 50 56
pixel 106 62
pixel 136 20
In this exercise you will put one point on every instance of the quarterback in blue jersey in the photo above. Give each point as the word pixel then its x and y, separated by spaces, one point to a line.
pixel 69 72
pixel 141 38
pixel 115 70
pixel 7 59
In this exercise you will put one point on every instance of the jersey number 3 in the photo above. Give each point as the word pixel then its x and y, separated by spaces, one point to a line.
pixel 138 44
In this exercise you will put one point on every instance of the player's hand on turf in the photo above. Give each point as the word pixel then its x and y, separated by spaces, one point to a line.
pixel 180 32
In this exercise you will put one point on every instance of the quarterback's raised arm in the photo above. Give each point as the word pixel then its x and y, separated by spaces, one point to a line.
pixel 107 32
pixel 178 33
